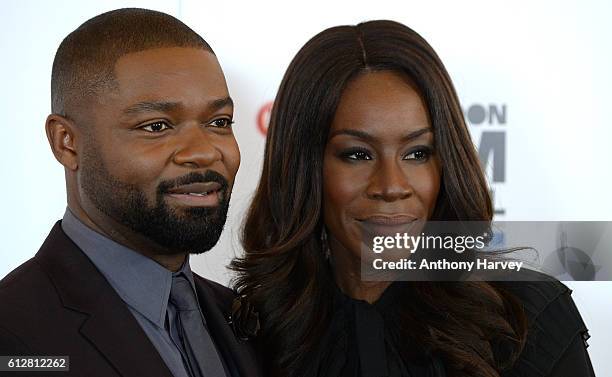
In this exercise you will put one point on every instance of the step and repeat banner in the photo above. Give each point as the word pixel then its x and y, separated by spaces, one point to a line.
pixel 533 78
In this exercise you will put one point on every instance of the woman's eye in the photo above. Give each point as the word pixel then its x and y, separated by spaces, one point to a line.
pixel 156 127
pixel 418 155
pixel 356 155
pixel 222 123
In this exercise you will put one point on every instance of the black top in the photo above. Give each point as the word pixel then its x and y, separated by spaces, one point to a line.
pixel 359 344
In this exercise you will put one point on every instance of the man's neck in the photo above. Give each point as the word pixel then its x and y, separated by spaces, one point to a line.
pixel 121 234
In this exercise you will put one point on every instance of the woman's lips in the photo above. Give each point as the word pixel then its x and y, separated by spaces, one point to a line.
pixel 389 219
pixel 388 225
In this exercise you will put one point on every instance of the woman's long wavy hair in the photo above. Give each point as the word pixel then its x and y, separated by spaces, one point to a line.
pixel 284 272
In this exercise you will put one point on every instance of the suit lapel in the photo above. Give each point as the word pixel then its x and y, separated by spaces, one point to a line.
pixel 244 361
pixel 110 326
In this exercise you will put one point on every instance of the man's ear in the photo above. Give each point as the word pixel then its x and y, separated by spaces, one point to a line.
pixel 61 134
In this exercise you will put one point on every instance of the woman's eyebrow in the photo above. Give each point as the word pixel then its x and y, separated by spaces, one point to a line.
pixel 369 137
pixel 415 134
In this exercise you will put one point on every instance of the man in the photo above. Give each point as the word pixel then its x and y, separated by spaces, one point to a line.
pixel 142 123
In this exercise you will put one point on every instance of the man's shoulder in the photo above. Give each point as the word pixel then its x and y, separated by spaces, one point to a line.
pixel 29 303
pixel 23 282
pixel 30 281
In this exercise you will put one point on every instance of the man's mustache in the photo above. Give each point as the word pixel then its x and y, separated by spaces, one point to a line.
pixel 193 177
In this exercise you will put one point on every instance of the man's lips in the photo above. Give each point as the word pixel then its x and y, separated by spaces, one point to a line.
pixel 201 188
pixel 201 194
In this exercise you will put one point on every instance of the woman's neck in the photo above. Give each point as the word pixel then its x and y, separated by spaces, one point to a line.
pixel 347 274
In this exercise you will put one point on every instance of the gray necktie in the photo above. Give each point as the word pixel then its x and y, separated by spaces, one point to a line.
pixel 204 361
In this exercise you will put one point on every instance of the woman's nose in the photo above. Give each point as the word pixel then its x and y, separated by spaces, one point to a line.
pixel 389 182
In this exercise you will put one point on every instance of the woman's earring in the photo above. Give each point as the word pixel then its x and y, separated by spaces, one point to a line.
pixel 325 244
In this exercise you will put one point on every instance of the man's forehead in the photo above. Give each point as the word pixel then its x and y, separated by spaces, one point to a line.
pixel 167 60
pixel 170 72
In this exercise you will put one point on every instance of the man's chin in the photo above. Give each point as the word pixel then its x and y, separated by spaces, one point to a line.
pixel 199 252
pixel 188 235
pixel 194 214
pixel 179 229
pixel 192 247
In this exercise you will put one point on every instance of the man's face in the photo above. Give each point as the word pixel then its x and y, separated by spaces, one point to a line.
pixel 159 156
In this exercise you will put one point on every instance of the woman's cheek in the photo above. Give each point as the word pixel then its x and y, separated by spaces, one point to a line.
pixel 343 184
pixel 427 186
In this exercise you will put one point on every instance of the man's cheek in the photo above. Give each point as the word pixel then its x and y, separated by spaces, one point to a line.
pixel 231 157
pixel 136 171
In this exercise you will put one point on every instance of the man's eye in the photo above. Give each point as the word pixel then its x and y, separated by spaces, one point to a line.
pixel 156 127
pixel 222 123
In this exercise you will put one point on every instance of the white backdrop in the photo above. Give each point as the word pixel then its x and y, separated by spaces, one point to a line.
pixel 535 76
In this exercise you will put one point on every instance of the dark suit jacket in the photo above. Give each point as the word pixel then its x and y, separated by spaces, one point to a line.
pixel 59 304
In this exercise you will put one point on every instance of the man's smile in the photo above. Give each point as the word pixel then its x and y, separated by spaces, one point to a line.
pixel 206 194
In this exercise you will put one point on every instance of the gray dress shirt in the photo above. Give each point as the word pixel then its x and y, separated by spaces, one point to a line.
pixel 143 284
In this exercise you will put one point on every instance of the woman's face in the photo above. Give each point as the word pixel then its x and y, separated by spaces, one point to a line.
pixel 380 169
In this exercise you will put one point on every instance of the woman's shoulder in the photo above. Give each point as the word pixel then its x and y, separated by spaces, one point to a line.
pixel 537 292
pixel 556 335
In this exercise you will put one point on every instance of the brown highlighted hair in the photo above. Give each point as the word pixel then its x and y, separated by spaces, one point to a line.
pixel 284 272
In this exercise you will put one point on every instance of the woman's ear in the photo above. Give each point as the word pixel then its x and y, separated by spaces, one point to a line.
pixel 61 134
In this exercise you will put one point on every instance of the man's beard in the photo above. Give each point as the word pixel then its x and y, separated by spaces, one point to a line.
pixel 194 230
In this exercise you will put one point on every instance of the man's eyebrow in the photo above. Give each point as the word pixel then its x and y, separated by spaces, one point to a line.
pixel 369 137
pixel 165 106
pixel 220 103
pixel 146 106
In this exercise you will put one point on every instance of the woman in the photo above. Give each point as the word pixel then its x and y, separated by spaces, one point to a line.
pixel 367 130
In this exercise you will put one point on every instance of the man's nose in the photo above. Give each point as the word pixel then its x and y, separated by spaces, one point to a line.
pixel 390 182
pixel 194 147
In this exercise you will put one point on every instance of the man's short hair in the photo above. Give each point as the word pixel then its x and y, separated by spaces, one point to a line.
pixel 85 60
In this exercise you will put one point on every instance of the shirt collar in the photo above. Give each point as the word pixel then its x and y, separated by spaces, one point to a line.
pixel 141 282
